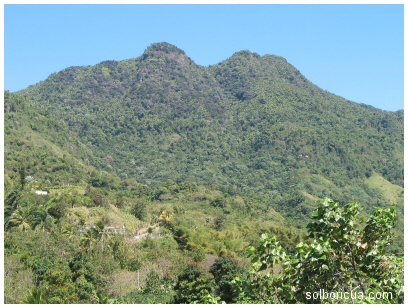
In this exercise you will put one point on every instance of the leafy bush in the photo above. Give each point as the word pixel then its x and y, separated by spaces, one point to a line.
pixel 193 285
pixel 343 256
pixel 224 270
pixel 139 209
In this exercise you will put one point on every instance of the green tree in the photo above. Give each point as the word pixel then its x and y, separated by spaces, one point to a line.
pixel 35 296
pixel 87 238
pixel 343 256
pixel 224 270
pixel 166 219
pixel 101 234
pixel 22 176
pixel 139 209
pixel 25 218
pixel 219 201
pixel 10 205
pixel 68 230
pixel 193 285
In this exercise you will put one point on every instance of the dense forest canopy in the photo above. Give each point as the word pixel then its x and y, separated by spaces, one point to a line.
pixel 210 157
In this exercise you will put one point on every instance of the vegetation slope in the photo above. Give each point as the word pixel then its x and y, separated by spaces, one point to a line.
pixel 205 159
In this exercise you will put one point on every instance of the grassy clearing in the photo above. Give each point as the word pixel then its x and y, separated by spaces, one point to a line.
pixel 311 197
pixel 112 216
pixel 392 192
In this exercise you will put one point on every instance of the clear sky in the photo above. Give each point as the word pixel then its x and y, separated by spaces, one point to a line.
pixel 355 51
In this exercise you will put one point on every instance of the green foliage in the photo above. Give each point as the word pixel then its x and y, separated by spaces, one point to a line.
pixel 29 217
pixel 22 175
pixel 134 265
pixel 157 291
pixel 35 296
pixel 198 255
pixel 225 270
pixel 139 209
pixel 163 127
pixel 193 285
pixel 166 219
pixel 342 257
pixel 71 263
pixel 219 201
pixel 48 155
pixel 248 125
pixel 10 205
pixel 97 196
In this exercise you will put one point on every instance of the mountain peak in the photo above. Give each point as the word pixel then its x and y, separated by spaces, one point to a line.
pixel 165 48
pixel 246 54
pixel 166 51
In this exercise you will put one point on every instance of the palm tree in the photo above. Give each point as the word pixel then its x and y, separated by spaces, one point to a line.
pixel 116 246
pixel 25 217
pixel 87 237
pixel 35 296
pixel 102 233
pixel 10 205
pixel 166 219
pixel 40 217
pixel 68 230
pixel 21 218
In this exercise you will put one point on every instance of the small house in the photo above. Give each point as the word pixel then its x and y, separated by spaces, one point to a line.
pixel 41 192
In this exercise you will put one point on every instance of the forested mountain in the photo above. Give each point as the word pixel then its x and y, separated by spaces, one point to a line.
pixel 205 160
pixel 249 124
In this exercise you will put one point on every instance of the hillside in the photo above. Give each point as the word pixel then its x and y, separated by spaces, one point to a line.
pixel 42 144
pixel 163 175
pixel 249 124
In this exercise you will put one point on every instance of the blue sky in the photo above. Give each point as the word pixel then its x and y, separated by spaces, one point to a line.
pixel 355 51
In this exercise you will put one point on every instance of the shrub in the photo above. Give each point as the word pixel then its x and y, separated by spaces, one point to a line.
pixel 342 257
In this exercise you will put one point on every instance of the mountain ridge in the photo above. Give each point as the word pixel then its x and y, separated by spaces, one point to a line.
pixel 164 48
pixel 248 124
